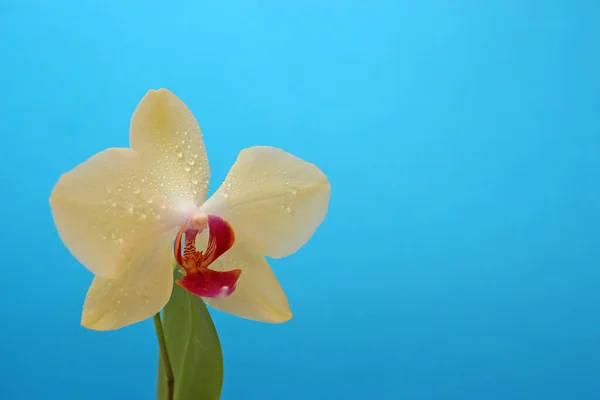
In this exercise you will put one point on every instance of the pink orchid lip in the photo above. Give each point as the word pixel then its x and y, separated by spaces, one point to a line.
pixel 199 279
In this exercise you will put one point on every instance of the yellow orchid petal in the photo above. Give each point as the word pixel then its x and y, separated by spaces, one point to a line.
pixel 139 293
pixel 258 295
pixel 273 198
pixel 164 130
pixel 106 210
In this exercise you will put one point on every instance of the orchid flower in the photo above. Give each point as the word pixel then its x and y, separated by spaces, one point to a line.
pixel 130 215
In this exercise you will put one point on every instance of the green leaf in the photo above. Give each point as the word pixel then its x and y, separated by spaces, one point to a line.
pixel 193 347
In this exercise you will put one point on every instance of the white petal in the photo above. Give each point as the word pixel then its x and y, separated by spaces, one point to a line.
pixel 139 293
pixel 164 130
pixel 258 295
pixel 274 199
pixel 107 209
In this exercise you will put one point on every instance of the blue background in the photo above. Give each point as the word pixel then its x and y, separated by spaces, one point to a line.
pixel 460 258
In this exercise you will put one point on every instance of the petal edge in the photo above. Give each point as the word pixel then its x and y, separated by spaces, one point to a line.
pixel 164 130
pixel 107 208
pixel 142 291
pixel 273 198
pixel 258 295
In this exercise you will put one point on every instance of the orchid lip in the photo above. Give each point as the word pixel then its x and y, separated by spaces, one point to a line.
pixel 199 279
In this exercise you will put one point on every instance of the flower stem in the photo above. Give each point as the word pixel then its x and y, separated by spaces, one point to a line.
pixel 165 356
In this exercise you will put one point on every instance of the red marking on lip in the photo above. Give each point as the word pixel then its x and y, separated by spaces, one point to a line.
pixel 210 283
pixel 199 279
